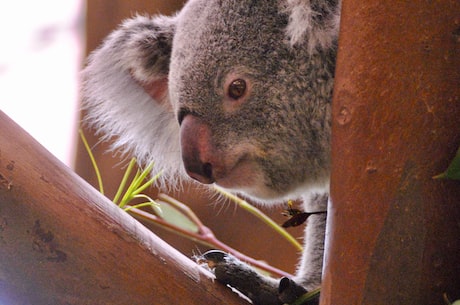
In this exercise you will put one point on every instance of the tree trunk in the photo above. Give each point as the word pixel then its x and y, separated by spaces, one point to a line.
pixel 394 232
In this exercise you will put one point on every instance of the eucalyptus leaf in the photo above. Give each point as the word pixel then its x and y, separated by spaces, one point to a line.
pixel 175 217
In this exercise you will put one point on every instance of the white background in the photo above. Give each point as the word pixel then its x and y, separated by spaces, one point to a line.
pixel 40 57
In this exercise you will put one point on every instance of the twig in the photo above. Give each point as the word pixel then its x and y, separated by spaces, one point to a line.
pixel 204 235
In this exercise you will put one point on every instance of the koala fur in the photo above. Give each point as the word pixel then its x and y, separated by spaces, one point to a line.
pixel 232 92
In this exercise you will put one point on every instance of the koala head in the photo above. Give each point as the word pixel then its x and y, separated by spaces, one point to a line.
pixel 239 91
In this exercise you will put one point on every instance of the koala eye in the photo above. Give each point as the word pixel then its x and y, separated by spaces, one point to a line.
pixel 237 88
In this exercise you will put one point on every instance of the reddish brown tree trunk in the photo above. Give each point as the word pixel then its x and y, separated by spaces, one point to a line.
pixel 394 233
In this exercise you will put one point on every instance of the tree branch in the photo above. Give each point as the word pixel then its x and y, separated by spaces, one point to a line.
pixel 61 242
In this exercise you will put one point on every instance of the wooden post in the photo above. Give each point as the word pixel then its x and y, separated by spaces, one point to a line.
pixel 394 232
pixel 61 242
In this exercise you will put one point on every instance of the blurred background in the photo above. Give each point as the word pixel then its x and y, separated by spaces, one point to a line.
pixel 44 45
pixel 41 54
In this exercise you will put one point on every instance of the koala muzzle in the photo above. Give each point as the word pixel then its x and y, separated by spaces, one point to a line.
pixel 196 149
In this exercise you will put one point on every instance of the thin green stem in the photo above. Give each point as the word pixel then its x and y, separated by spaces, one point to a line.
pixel 137 206
pixel 128 193
pixel 259 214
pixel 93 161
pixel 124 180
pixel 154 205
pixel 147 184
pixel 136 186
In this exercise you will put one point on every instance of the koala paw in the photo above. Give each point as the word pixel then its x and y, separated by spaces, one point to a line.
pixel 261 290
pixel 292 293
pixel 232 272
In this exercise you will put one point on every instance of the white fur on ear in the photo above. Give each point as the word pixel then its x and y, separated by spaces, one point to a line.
pixel 319 28
pixel 119 108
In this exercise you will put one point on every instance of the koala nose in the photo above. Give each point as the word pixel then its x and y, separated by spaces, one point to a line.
pixel 196 149
pixel 201 172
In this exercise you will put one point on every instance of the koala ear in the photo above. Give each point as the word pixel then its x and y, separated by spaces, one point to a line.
pixel 140 47
pixel 125 91
pixel 145 46
pixel 314 23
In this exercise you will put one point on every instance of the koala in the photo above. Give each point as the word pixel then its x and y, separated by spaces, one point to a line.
pixel 229 92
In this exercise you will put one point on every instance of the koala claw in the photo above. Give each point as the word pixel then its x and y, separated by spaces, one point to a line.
pixel 231 271
pixel 262 290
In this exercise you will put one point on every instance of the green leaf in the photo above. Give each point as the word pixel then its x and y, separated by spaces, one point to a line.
pixel 453 171
pixel 175 217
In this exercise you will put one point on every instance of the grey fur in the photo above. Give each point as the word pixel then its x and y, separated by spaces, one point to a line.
pixel 280 131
